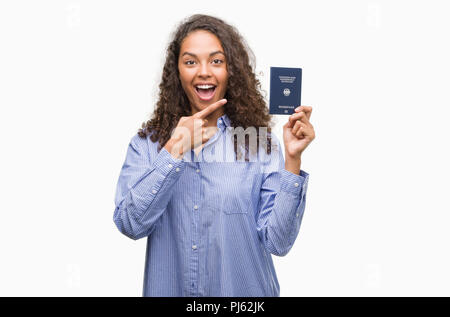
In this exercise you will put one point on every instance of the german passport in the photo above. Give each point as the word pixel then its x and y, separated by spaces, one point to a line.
pixel 285 89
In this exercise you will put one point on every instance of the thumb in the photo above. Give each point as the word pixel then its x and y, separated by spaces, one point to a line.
pixel 287 125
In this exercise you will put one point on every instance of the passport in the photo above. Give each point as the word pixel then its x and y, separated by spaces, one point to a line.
pixel 285 89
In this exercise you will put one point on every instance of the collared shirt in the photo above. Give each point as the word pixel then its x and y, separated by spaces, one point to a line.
pixel 212 225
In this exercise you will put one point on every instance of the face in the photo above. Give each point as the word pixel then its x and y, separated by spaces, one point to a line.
pixel 203 69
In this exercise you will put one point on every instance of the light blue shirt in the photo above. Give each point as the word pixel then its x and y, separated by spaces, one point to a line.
pixel 211 226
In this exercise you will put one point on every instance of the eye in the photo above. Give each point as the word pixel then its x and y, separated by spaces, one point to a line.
pixel 189 61
pixel 219 61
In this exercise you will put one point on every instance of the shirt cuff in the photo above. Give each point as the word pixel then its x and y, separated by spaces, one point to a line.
pixel 293 183
pixel 165 162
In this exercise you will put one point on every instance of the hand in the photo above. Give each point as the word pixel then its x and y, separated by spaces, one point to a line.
pixel 191 132
pixel 298 132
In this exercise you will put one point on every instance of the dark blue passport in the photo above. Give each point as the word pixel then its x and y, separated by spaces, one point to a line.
pixel 285 89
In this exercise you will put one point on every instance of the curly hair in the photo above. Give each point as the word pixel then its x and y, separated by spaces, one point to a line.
pixel 246 106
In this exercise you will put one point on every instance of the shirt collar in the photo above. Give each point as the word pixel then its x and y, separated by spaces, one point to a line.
pixel 223 122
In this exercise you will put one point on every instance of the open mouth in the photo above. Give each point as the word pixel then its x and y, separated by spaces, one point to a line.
pixel 205 92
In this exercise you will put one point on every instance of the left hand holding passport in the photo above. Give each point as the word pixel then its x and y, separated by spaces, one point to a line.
pixel 298 132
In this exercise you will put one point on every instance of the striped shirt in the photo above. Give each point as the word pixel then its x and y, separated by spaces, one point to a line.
pixel 212 226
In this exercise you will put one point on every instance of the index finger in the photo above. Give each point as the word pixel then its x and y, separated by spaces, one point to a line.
pixel 210 109
pixel 306 109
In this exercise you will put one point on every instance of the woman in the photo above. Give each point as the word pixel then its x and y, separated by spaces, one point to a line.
pixel 211 219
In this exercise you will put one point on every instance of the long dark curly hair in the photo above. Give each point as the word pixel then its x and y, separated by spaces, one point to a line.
pixel 245 105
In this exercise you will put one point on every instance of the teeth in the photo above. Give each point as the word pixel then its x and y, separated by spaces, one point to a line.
pixel 204 86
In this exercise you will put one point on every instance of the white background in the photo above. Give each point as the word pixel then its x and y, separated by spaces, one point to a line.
pixel 77 78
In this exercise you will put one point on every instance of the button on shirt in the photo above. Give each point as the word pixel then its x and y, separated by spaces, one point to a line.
pixel 211 224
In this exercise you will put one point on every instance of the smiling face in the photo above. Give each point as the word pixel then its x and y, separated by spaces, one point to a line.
pixel 203 70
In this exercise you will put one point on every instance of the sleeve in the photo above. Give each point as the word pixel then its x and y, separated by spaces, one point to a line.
pixel 281 205
pixel 144 188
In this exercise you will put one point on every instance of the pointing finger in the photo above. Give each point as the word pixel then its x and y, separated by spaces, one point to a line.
pixel 210 109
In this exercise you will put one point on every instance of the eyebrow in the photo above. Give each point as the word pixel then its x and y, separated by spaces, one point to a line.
pixel 213 53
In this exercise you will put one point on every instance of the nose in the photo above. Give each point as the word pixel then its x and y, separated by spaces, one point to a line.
pixel 204 70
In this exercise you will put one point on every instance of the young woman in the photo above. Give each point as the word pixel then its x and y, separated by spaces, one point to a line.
pixel 212 220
